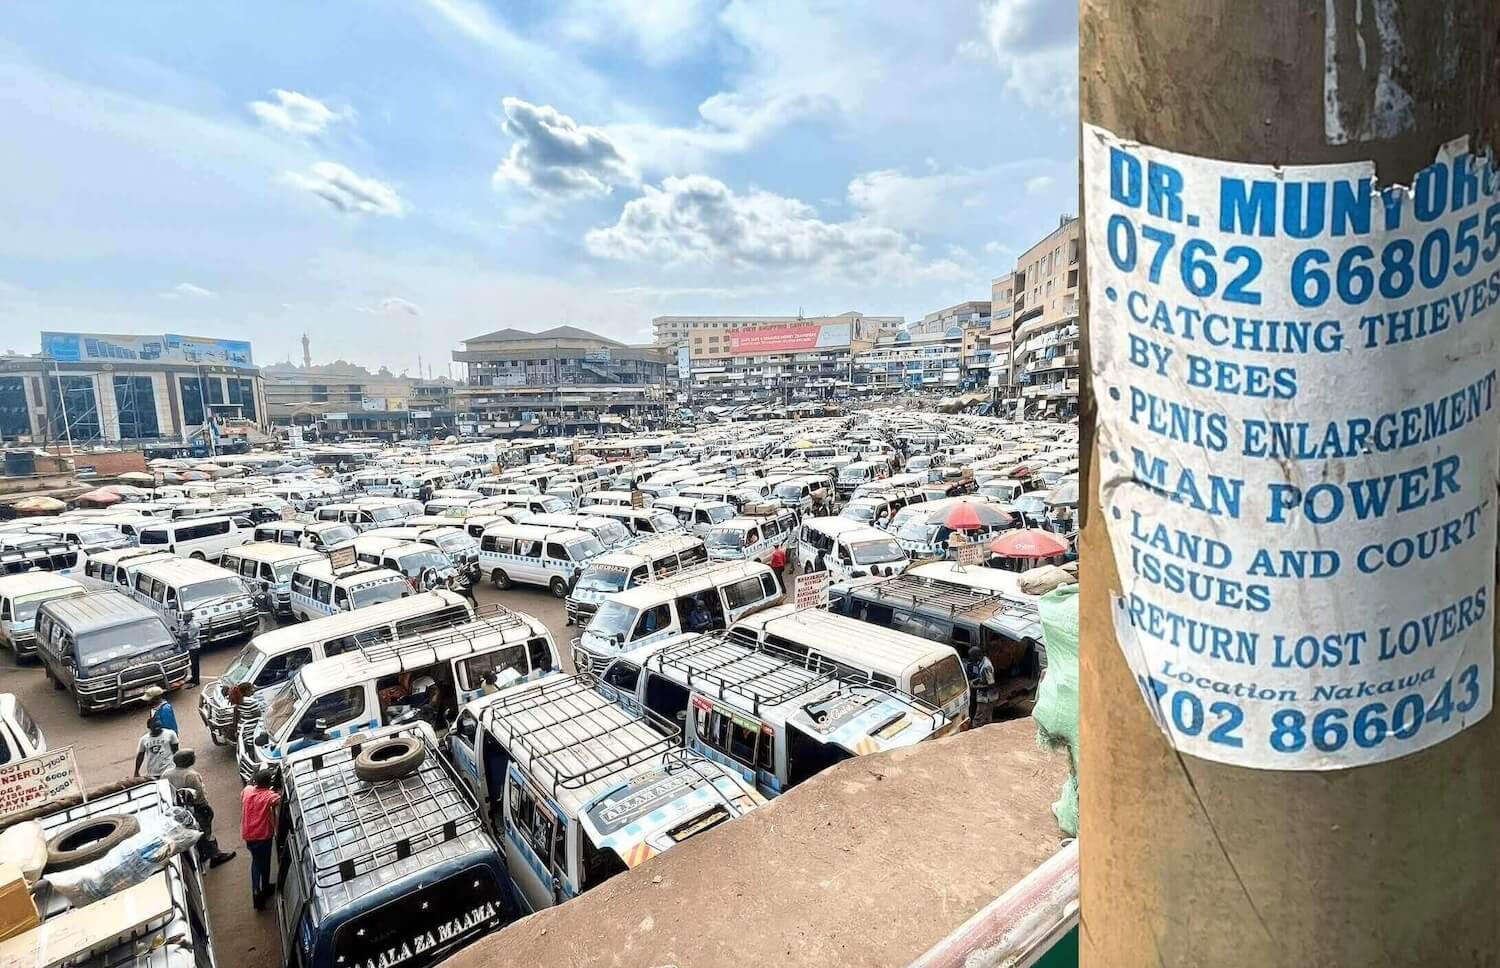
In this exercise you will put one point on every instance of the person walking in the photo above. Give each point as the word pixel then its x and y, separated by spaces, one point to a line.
pixel 161 710
pixel 258 806
pixel 189 791
pixel 155 748
pixel 820 563
pixel 778 562
pixel 982 691
pixel 189 634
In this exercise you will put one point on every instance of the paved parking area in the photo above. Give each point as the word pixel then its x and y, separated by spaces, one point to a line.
pixel 105 743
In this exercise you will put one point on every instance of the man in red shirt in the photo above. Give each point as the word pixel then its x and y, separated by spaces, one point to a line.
pixel 778 560
pixel 258 806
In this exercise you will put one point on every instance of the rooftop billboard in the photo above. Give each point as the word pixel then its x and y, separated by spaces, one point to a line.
pixel 792 338
pixel 166 348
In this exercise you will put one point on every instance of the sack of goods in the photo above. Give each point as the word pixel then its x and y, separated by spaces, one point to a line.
pixel 1040 581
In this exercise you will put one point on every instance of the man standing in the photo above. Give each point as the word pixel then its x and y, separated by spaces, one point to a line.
pixel 258 806
pixel 187 786
pixel 189 635
pixel 161 710
pixel 982 691
pixel 778 561
pixel 820 563
pixel 155 749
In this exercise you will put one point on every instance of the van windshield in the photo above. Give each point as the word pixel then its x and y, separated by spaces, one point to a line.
pixel 612 619
pixel 718 513
pixel 385 590
pixel 243 666
pixel 284 706
pixel 27 605
pixel 789 491
pixel 456 543
pixel 582 549
pixel 940 683
pixel 875 550
pixel 858 512
pixel 204 592
pixel 415 561
pixel 338 535
pixel 613 533
pixel 282 570
pixel 603 580
pixel 664 521
pixel 725 539
pixel 106 645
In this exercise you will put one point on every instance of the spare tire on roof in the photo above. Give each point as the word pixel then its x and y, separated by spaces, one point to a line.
pixel 389 759
pixel 88 840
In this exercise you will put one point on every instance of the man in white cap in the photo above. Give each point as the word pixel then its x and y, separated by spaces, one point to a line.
pixel 161 710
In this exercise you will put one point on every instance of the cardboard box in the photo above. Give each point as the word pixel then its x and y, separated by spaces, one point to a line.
pixel 17 910
pixel 73 935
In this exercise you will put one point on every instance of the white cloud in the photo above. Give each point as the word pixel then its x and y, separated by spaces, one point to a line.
pixel 1039 184
pixel 295 113
pixel 553 155
pixel 391 306
pixel 662 31
pixel 346 191
pixel 698 220
pixel 1035 43
pixel 186 290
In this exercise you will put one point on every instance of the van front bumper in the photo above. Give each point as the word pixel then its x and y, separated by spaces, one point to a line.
pixel 23 645
pixel 232 625
pixel 129 686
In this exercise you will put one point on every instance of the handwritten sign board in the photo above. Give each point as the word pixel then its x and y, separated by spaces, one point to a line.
pixel 38 780
pixel 811 590
pixel 341 558
pixel 971 553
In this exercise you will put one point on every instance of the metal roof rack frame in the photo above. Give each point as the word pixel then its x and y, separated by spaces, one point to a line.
pixel 957 599
pixel 488 619
pixel 769 681
pixel 576 708
pixel 390 820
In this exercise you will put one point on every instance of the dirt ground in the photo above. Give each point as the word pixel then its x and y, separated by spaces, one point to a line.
pixel 868 864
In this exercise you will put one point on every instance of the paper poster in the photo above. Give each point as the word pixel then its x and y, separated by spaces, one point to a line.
pixel 1295 376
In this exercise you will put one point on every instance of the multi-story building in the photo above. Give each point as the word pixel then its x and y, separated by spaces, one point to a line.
pixel 90 388
pixel 1002 316
pixel 563 380
pixel 929 361
pixel 810 357
pixel 1045 323
pixel 972 319
pixel 708 337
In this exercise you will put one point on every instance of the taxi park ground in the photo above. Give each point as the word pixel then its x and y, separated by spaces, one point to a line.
pixel 105 743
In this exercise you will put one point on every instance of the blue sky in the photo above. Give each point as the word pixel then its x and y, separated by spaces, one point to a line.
pixel 395 176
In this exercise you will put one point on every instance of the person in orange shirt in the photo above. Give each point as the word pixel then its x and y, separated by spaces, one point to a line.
pixel 258 806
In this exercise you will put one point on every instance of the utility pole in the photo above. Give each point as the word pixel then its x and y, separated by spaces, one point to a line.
pixel 1244 802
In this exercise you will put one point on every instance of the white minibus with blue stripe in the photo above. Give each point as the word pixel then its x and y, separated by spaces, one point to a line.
pixel 425 676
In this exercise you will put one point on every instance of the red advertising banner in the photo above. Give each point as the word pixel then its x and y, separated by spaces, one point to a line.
pixel 775 339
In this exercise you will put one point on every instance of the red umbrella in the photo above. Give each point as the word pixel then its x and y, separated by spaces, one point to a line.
pixel 971 516
pixel 99 497
pixel 1029 543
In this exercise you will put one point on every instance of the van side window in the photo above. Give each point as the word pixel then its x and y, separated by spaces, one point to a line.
pixel 341 599
pixel 527 548
pixel 142 584
pixel 536 824
pixel 282 667
pixel 557 552
pixel 302 584
pixel 623 676
pixel 332 709
pixel 323 591
pixel 471 670
pixel 540 654
pixel 653 620
pixel 743 593
pixel 769 586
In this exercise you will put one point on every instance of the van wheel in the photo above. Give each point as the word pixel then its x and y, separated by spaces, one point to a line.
pixel 389 759
pixel 559 588
pixel 83 711
pixel 500 579
pixel 89 840
pixel 199 555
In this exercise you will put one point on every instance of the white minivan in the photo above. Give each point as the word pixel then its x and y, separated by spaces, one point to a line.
pixel 712 596
pixel 549 557
pixel 752 536
pixel 317 591
pixel 20 597
pixel 850 548
pixel 201 538
pixel 643 561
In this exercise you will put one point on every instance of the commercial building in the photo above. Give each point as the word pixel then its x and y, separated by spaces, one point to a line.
pixel 93 388
pixel 563 380
pixel 1045 334
pixel 1002 316
pixel 928 361
pixel 807 358
pixel 351 401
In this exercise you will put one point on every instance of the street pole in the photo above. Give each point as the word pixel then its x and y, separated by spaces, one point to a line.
pixel 62 401
pixel 1345 838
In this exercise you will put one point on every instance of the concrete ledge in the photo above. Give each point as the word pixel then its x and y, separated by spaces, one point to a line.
pixel 868 864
